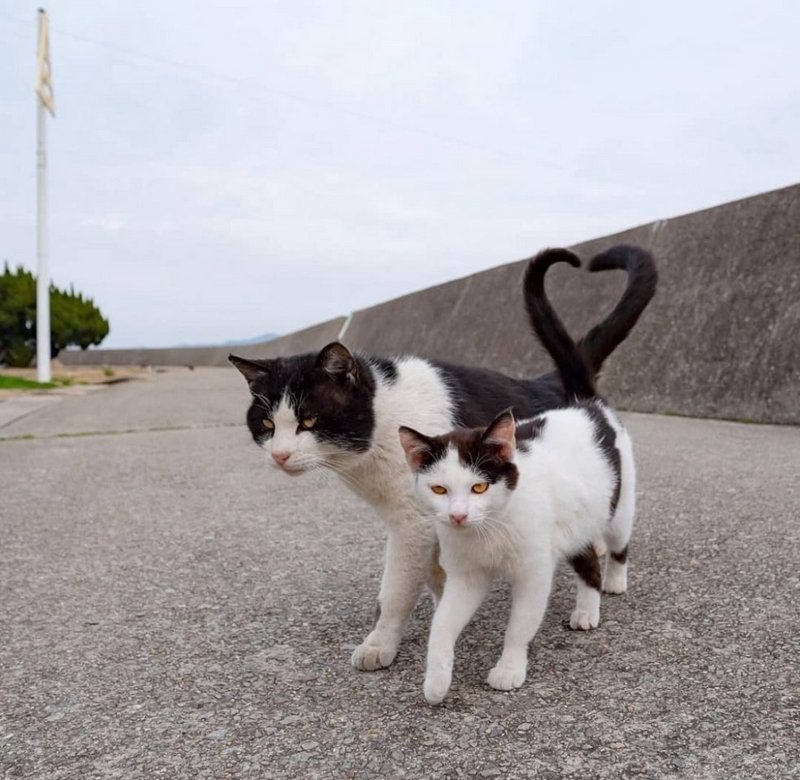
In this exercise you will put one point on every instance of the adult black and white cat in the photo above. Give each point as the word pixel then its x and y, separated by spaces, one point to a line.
pixel 340 411
pixel 513 499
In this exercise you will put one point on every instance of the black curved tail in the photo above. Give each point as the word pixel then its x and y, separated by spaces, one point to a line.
pixel 606 336
pixel 576 375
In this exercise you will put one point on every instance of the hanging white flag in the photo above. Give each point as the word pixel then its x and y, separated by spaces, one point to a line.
pixel 44 75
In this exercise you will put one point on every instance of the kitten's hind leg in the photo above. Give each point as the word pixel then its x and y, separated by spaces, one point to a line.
pixel 618 533
pixel 615 579
pixel 617 537
pixel 586 614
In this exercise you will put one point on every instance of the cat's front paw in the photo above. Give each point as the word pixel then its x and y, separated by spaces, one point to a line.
pixel 368 656
pixel 437 684
pixel 581 620
pixel 506 678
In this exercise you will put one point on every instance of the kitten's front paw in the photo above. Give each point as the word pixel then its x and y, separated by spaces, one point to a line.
pixel 368 657
pixel 506 678
pixel 582 620
pixel 437 684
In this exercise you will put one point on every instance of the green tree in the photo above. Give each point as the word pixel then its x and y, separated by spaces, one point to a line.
pixel 74 321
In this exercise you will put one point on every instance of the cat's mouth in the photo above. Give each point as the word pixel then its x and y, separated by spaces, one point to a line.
pixel 292 469
pixel 289 467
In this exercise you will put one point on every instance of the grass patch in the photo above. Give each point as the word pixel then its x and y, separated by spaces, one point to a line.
pixel 17 383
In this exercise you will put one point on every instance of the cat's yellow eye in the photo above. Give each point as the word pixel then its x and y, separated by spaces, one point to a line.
pixel 308 422
pixel 480 487
pixel 439 490
pixel 268 424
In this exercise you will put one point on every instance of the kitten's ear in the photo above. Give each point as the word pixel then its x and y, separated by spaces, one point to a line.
pixel 252 370
pixel 501 434
pixel 338 361
pixel 416 446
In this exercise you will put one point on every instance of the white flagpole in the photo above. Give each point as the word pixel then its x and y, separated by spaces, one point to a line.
pixel 44 101
pixel 43 278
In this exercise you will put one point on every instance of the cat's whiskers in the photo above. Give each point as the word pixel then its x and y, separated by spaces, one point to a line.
pixel 331 466
pixel 493 528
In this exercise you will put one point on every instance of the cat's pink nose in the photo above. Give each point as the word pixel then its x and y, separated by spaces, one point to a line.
pixel 457 518
pixel 281 457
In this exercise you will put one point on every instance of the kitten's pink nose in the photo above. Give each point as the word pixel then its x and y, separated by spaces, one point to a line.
pixel 281 457
pixel 457 518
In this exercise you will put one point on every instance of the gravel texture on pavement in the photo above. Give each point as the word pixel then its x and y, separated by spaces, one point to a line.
pixel 173 609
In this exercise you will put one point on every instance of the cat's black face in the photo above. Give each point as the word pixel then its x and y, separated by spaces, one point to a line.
pixel 310 410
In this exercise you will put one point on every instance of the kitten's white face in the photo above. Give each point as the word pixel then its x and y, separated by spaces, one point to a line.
pixel 460 496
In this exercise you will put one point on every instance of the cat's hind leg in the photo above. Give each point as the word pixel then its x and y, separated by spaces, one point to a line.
pixel 586 614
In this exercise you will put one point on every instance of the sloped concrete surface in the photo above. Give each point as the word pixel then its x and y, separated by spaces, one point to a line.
pixel 720 339
pixel 171 609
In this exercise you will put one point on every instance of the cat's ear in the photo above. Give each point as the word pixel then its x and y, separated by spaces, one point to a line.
pixel 252 370
pixel 416 446
pixel 501 435
pixel 338 362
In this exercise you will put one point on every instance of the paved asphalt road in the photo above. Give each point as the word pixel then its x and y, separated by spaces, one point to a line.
pixel 171 609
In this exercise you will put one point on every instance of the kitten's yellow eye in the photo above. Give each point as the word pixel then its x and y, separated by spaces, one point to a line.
pixel 439 490
pixel 480 487
pixel 268 424
pixel 308 422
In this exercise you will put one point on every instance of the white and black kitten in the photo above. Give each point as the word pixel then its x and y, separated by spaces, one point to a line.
pixel 513 499
pixel 340 411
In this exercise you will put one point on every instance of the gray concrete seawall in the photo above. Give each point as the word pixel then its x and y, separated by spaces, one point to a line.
pixel 720 339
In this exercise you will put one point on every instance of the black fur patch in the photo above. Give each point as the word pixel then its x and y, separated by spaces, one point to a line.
pixel 341 402
pixel 473 453
pixel 587 567
pixel 621 556
pixel 480 394
pixel 576 376
pixel 607 335
pixel 606 438
pixel 528 431
pixel 387 368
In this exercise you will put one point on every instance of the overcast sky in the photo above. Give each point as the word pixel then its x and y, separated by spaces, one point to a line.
pixel 222 170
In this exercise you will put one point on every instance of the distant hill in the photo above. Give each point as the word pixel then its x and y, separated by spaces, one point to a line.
pixel 232 343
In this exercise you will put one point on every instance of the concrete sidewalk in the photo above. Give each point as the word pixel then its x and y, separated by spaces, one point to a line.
pixel 172 609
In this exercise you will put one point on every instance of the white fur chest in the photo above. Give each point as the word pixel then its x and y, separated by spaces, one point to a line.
pixel 417 397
